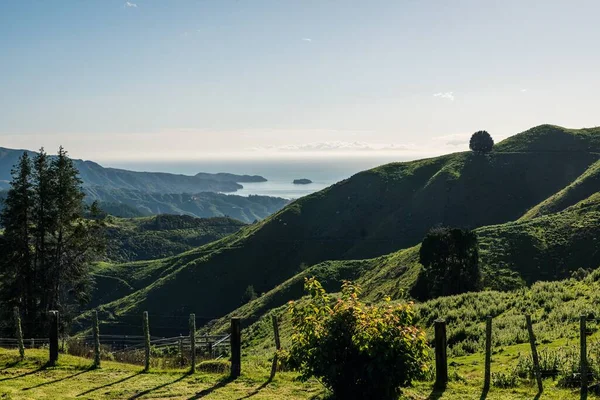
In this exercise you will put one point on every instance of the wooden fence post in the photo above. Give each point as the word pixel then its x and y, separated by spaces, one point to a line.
pixel 193 343
pixel 236 348
pixel 441 359
pixel 277 346
pixel 146 326
pixel 181 357
pixel 53 337
pixel 583 356
pixel 488 353
pixel 96 334
pixel 19 333
pixel 534 354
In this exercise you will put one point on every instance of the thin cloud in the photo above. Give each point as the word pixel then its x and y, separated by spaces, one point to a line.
pixel 445 95
pixel 336 146
pixel 523 90
pixel 130 4
pixel 307 39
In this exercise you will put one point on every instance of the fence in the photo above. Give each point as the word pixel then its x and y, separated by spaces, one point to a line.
pixel 441 359
pixel 149 351
pixel 142 349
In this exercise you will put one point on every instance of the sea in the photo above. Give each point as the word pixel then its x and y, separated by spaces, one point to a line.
pixel 280 172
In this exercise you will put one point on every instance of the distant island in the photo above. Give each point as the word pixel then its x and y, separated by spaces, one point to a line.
pixel 302 181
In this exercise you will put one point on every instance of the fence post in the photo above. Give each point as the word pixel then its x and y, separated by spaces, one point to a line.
pixel 534 354
pixel 441 359
pixel 193 343
pixel 96 333
pixel 488 352
pixel 236 348
pixel 146 325
pixel 583 355
pixel 19 333
pixel 277 346
pixel 53 337
pixel 181 351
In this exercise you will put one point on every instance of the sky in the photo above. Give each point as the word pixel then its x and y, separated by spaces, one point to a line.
pixel 119 80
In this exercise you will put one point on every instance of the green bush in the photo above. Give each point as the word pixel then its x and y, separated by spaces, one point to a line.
pixel 357 351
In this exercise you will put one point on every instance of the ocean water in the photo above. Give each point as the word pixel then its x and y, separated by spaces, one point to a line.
pixel 279 173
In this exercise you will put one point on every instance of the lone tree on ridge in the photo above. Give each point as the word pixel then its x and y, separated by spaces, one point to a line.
pixel 481 142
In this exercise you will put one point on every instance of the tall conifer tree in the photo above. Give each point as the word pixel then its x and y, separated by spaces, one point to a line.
pixel 48 244
pixel 16 262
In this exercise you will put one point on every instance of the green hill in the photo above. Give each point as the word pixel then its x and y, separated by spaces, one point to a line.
pixel 511 255
pixel 584 186
pixel 374 212
pixel 160 236
pixel 200 205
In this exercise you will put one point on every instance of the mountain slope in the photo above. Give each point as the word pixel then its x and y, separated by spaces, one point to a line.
pixel 583 187
pixel 94 174
pixel 511 255
pixel 160 236
pixel 201 205
pixel 375 212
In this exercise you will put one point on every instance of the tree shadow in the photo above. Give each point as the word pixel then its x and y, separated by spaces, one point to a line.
pixel 11 364
pixel 221 383
pixel 436 393
pixel 35 371
pixel 257 390
pixel 109 384
pixel 484 393
pixel 58 380
pixel 147 391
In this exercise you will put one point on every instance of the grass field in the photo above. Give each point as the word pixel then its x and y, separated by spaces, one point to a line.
pixel 72 378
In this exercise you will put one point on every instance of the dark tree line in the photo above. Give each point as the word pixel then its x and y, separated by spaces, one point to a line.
pixel 50 240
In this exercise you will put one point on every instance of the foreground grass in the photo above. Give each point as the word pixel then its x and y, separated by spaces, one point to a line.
pixel 73 379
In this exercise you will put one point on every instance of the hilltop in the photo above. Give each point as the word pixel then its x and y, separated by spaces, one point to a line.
pixel 382 210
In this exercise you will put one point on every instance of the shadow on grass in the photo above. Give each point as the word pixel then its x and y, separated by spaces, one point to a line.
pixel 257 390
pixel 145 392
pixel 436 393
pixel 484 393
pixel 11 364
pixel 35 371
pixel 110 384
pixel 221 383
pixel 59 380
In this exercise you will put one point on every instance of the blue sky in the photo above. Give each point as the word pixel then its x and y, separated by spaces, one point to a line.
pixel 182 79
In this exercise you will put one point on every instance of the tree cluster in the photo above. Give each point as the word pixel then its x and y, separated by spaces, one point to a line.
pixel 450 258
pixel 48 244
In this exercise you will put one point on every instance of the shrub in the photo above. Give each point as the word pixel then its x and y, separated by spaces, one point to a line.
pixel 505 380
pixel 481 142
pixel 357 351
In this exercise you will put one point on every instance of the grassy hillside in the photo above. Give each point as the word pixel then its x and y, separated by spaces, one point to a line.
pixel 375 212
pixel 511 255
pixel 201 205
pixel 581 188
pixel 148 238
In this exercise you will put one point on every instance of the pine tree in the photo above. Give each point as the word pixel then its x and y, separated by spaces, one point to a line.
pixel 43 215
pixel 16 262
pixel 76 241
pixel 48 244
